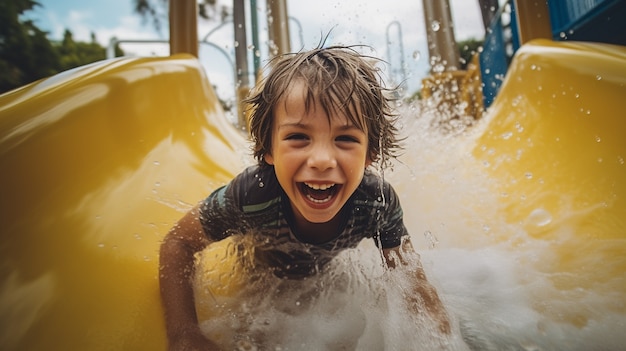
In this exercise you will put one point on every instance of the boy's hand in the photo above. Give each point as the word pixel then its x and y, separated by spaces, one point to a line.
pixel 430 300
pixel 422 292
pixel 176 267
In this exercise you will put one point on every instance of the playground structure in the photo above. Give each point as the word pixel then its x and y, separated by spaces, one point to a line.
pixel 99 162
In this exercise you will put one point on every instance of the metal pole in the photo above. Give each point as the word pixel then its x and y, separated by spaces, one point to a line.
pixel 279 27
pixel 402 69
pixel 184 27
pixel 488 9
pixel 256 54
pixel 241 58
pixel 533 20
pixel 440 34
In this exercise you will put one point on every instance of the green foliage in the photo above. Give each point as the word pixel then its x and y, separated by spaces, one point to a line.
pixel 26 53
pixel 156 11
pixel 74 54
pixel 19 41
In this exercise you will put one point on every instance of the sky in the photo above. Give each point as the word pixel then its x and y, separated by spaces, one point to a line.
pixel 368 22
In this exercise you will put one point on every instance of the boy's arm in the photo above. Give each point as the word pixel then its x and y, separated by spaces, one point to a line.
pixel 422 289
pixel 176 266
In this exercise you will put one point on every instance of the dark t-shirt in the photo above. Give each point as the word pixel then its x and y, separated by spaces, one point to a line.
pixel 254 204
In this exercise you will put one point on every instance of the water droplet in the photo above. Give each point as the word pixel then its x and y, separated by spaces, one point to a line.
pixel 598 77
pixel 100 245
pixel 156 163
pixel 439 68
pixel 598 139
pixel 432 240
pixel 507 135
pixel 435 25
pixel 261 184
pixel 528 175
pixel 540 217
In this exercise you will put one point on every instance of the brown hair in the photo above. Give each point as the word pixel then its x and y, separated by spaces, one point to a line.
pixel 341 80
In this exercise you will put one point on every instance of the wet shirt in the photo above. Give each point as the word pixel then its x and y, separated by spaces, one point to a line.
pixel 254 204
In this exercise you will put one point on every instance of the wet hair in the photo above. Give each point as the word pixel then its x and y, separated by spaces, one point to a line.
pixel 341 80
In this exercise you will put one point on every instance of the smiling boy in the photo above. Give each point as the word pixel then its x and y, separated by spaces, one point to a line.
pixel 318 120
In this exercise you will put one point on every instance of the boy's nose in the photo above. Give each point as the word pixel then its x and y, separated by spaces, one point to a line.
pixel 322 158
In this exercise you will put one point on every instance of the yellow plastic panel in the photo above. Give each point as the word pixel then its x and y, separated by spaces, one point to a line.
pixel 555 150
pixel 97 164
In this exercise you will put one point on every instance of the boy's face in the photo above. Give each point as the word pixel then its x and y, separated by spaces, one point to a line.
pixel 318 164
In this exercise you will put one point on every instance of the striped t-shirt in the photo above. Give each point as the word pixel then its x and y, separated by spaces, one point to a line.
pixel 254 204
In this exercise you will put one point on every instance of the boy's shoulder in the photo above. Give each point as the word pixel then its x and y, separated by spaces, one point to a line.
pixel 373 183
pixel 254 186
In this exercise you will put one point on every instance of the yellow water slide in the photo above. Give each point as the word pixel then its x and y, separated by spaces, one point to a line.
pixel 555 152
pixel 99 162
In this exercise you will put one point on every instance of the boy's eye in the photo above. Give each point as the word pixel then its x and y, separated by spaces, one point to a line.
pixel 348 138
pixel 296 136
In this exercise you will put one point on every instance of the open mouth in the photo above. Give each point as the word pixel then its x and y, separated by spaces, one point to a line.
pixel 319 193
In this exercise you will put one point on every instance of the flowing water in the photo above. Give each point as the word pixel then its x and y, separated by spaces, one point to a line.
pixel 490 274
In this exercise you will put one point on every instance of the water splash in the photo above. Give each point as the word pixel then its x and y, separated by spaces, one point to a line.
pixel 503 287
pixel 355 305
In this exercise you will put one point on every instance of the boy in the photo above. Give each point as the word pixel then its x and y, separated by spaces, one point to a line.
pixel 318 121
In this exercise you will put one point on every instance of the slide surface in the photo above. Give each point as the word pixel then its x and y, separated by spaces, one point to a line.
pixel 555 151
pixel 99 162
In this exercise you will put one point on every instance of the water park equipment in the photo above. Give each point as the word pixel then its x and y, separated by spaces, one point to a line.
pixel 99 162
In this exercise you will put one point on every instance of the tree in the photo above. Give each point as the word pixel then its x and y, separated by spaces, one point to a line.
pixel 27 55
pixel 468 48
pixel 25 52
pixel 73 54
pixel 156 11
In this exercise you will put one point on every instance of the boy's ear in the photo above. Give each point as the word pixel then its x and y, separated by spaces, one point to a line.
pixel 268 159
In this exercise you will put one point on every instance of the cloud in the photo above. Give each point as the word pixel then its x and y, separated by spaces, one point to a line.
pixel 130 27
pixel 82 23
pixel 365 22
pixel 467 20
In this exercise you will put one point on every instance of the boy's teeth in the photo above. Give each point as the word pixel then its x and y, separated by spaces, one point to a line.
pixel 319 186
